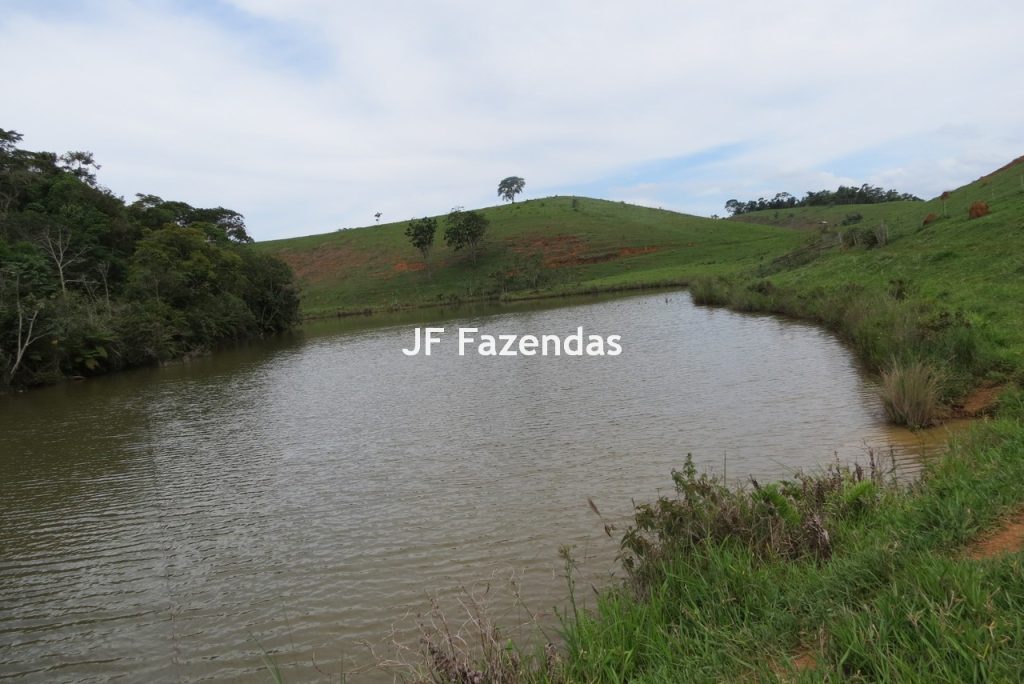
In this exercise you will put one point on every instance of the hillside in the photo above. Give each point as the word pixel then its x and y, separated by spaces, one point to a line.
pixel 970 269
pixel 556 245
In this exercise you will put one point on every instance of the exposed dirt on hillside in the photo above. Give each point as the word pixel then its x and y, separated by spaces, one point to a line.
pixel 1008 538
pixel 405 266
pixel 570 250
pixel 634 251
pixel 554 250
pixel 323 263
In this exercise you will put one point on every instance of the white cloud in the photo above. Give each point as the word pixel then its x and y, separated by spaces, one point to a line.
pixel 311 115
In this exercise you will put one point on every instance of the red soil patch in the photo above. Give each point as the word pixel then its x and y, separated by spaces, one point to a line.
pixel 980 402
pixel 633 251
pixel 555 250
pixel 404 266
pixel 1009 538
pixel 570 250
pixel 323 263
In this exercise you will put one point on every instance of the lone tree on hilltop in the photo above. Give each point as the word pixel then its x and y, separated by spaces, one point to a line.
pixel 464 229
pixel 510 187
pixel 421 235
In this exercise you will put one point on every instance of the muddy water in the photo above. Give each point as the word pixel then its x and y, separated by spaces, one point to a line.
pixel 296 497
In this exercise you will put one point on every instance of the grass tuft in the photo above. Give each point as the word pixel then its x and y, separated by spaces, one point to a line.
pixel 911 393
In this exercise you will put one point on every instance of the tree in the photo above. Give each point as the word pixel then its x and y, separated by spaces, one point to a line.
pixel 464 229
pixel 79 164
pixel 24 310
pixel 421 235
pixel 90 285
pixel 9 141
pixel 231 222
pixel 510 187
pixel 271 294
pixel 9 166
pixel 56 243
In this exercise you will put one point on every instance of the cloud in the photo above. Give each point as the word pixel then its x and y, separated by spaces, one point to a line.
pixel 312 115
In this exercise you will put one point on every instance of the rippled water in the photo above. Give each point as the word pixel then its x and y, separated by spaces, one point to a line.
pixel 296 497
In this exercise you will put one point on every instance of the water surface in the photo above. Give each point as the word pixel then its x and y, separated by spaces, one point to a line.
pixel 298 496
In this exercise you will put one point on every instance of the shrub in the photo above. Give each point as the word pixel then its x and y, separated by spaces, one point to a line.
pixel 898 288
pixel 784 520
pixel 865 237
pixel 910 392
pixel 978 209
pixel 881 235
pixel 855 217
pixel 710 291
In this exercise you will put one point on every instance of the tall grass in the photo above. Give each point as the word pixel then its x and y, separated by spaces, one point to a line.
pixel 911 393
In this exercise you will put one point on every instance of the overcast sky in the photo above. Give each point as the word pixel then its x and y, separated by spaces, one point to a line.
pixel 312 115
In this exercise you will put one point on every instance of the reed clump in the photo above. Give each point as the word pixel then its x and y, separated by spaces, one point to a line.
pixel 710 291
pixel 471 648
pixel 787 520
pixel 911 393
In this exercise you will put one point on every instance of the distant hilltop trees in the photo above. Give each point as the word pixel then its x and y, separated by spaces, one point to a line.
pixel 865 194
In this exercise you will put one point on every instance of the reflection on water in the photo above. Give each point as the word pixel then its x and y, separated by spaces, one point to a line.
pixel 302 495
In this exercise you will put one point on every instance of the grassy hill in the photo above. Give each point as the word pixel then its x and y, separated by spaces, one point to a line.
pixel 557 245
pixel 951 271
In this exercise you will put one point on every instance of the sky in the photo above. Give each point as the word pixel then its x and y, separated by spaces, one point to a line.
pixel 312 115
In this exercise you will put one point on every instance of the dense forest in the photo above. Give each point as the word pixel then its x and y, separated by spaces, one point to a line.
pixel 865 194
pixel 90 284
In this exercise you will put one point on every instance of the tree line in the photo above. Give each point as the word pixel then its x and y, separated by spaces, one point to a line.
pixel 865 194
pixel 91 284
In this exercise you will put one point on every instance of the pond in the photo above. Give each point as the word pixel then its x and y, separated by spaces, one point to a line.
pixel 296 497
